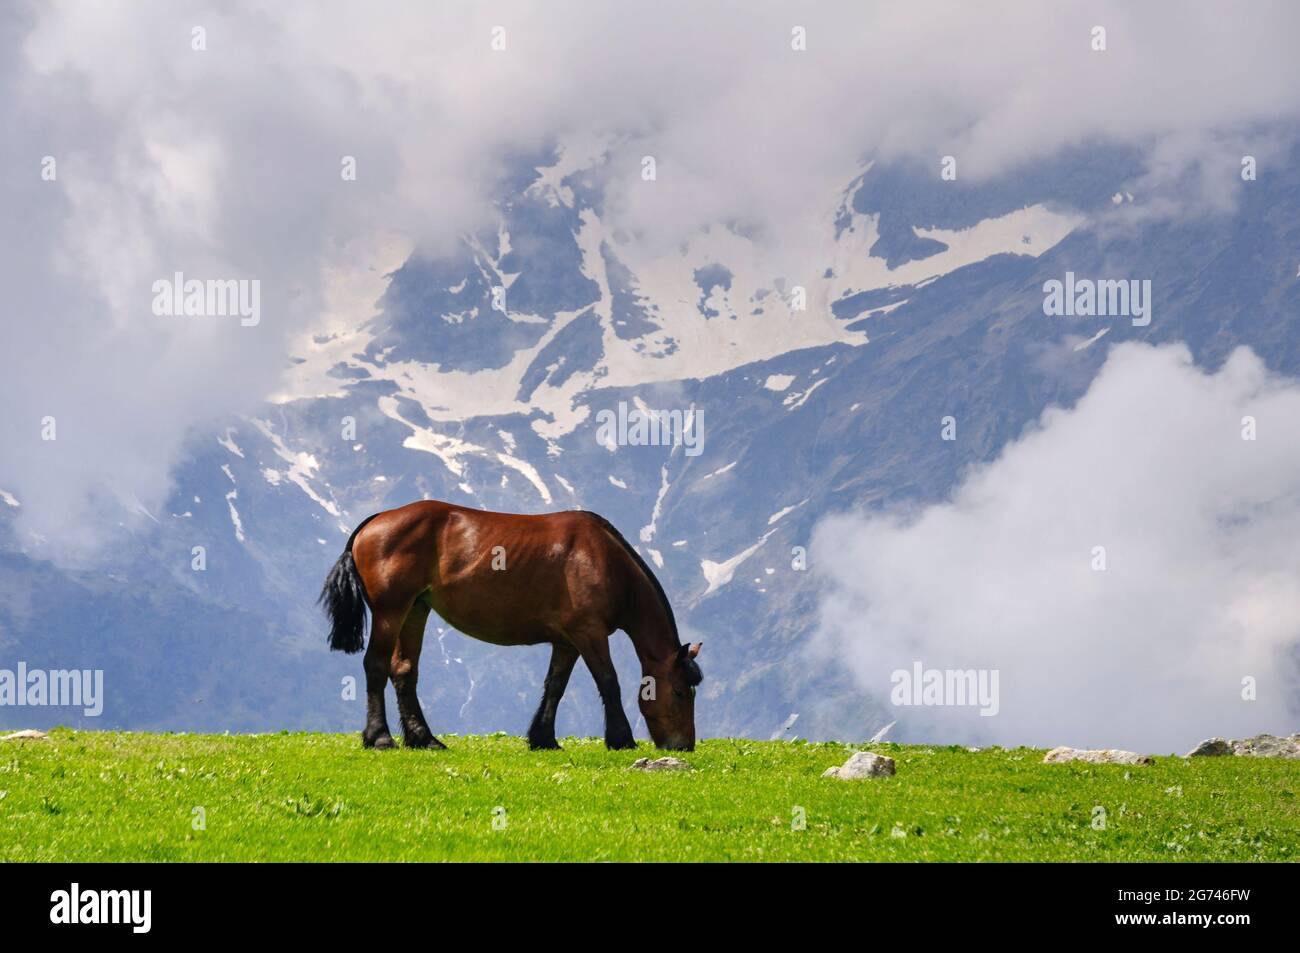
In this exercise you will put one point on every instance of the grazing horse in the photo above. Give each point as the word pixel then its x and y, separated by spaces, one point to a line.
pixel 568 579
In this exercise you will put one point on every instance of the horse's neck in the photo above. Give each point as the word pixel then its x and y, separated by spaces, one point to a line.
pixel 650 629
pixel 656 649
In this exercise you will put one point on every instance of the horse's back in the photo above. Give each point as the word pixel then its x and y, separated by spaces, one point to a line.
pixel 506 578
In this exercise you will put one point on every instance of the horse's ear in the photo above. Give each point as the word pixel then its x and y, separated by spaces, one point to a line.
pixel 695 649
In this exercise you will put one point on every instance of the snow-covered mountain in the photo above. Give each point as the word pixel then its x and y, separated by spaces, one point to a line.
pixel 477 378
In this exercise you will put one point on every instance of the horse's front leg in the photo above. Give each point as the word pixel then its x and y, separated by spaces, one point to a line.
pixel 618 733
pixel 541 733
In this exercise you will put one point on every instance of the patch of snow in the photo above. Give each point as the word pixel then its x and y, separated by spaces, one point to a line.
pixel 469 696
pixel 234 515
pixel 229 443
pixel 687 344
pixel 778 382
pixel 797 400
pixel 355 278
pixel 617 482
pixel 1092 340
pixel 447 449
pixel 1028 231
pixel 9 498
pixel 138 507
pixel 779 513
pixel 301 467
pixel 719 574
pixel 884 309
pixel 530 474
pixel 573 155
pixel 648 531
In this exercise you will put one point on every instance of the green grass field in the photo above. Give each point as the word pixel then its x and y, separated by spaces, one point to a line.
pixel 105 796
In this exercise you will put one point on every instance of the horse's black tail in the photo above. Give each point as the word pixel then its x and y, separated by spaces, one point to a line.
pixel 344 599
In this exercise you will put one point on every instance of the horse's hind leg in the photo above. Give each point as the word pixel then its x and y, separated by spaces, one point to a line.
pixel 384 630
pixel 541 734
pixel 406 672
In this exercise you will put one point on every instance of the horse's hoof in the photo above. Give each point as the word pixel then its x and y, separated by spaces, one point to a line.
pixel 380 743
pixel 424 740
pixel 543 744
pixel 621 744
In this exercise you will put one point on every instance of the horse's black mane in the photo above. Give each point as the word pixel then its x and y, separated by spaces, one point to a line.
pixel 692 668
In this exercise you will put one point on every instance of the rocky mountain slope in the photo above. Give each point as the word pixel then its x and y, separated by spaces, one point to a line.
pixel 926 303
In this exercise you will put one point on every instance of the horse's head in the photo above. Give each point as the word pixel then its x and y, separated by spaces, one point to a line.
pixel 668 700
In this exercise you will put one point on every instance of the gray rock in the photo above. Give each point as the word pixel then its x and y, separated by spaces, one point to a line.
pixel 1268 746
pixel 1096 756
pixel 29 734
pixel 661 764
pixel 1260 746
pixel 862 764
pixel 1210 748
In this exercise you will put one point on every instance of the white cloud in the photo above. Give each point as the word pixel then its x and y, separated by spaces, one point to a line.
pixel 1201 587
pixel 225 163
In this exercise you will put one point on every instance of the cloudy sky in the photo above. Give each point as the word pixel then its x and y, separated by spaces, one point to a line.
pixel 1151 647
pixel 225 161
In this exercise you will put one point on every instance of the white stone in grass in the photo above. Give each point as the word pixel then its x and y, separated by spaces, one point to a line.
pixel 1096 756
pixel 28 734
pixel 661 764
pixel 862 764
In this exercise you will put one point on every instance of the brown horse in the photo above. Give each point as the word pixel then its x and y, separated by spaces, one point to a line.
pixel 569 579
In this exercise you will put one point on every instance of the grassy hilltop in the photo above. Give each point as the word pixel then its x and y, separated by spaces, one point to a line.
pixel 91 796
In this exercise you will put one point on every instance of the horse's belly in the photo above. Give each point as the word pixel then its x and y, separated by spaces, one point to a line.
pixel 499 624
